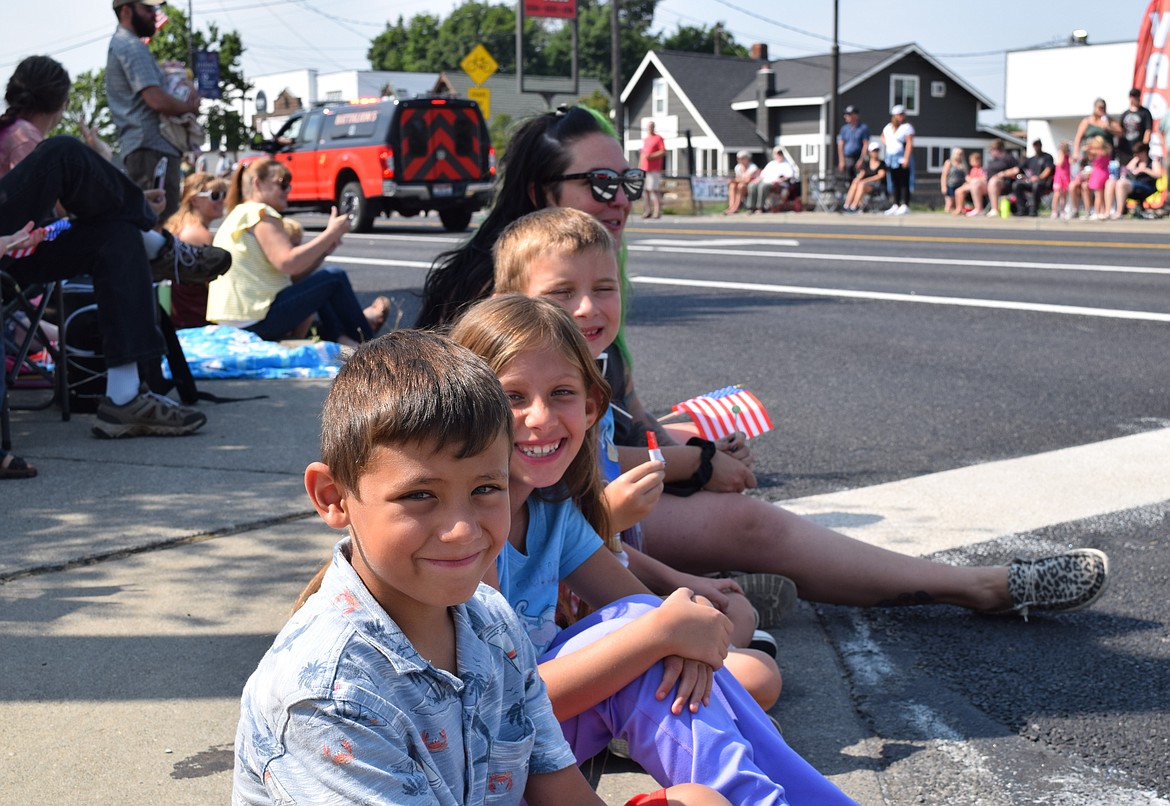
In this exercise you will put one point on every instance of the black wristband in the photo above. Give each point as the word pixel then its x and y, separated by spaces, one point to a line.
pixel 701 476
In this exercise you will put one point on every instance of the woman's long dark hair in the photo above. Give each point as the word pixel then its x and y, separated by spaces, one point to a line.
pixel 39 84
pixel 538 149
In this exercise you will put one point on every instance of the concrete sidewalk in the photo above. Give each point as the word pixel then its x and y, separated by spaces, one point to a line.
pixel 142 580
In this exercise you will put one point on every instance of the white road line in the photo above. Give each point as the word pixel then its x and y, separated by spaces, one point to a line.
pixel 1007 305
pixel 376 261
pixel 924 261
pixel 974 504
pixel 714 242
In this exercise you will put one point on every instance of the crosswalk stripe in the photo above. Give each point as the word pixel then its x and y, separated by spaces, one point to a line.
pixel 969 505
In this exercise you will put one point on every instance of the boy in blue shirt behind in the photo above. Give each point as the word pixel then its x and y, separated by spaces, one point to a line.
pixel 402 679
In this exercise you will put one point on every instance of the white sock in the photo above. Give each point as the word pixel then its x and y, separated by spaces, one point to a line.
pixel 122 383
pixel 154 241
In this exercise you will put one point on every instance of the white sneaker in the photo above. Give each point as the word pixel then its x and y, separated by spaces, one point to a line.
pixel 993 213
pixel 902 209
pixel 892 211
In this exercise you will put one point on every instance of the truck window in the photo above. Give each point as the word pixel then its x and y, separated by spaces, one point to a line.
pixel 352 123
pixel 464 135
pixel 311 131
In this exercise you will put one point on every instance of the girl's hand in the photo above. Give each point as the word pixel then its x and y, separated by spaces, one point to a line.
pixel 735 445
pixel 23 237
pixel 632 495
pixel 729 475
pixel 694 680
pixel 693 629
pixel 714 590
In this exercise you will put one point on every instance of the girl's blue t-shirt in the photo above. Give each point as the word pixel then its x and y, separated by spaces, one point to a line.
pixel 559 539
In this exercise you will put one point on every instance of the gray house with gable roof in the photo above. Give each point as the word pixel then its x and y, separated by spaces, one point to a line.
pixel 721 104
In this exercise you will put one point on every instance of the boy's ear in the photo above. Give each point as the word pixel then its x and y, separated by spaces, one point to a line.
pixel 327 497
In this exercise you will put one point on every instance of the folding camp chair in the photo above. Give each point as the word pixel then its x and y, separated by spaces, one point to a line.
pixel 22 310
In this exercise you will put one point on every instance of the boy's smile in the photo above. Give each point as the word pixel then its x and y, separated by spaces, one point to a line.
pixel 427 525
pixel 587 286
pixel 550 413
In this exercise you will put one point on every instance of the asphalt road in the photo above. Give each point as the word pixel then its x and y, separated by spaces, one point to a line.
pixel 891 352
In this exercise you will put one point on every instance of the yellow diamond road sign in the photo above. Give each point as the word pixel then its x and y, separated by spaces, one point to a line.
pixel 479 64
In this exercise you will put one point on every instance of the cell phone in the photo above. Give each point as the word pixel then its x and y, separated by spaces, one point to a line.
pixel 160 174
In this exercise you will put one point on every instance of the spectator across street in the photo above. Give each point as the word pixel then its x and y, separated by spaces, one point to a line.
pixel 852 143
pixel 1036 182
pixel 137 98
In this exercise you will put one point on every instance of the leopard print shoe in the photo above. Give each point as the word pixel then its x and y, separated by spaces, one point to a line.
pixel 1061 584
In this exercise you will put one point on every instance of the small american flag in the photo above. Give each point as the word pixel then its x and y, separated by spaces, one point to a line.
pixel 50 231
pixel 719 413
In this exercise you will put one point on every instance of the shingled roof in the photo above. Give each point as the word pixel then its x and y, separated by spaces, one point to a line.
pixel 811 76
pixel 709 84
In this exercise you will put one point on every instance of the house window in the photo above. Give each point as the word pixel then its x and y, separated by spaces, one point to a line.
pixel 938 89
pixel 935 157
pixel 658 88
pixel 809 152
pixel 904 91
pixel 333 95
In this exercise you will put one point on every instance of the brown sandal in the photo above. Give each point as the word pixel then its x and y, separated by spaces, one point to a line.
pixel 13 467
pixel 381 308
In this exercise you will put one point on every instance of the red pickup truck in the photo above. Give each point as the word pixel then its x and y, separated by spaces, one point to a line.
pixel 409 156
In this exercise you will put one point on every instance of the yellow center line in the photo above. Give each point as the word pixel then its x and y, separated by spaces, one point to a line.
pixel 917 238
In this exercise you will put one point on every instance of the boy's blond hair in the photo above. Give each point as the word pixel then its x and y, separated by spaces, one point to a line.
pixel 410 387
pixel 553 230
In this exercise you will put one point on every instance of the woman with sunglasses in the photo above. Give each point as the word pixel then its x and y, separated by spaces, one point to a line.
pixel 202 203
pixel 566 158
pixel 701 528
pixel 258 293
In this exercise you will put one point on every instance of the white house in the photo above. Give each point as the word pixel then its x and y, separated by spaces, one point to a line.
pixel 1051 89
pixel 311 87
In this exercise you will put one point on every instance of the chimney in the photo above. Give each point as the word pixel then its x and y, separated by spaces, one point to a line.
pixel 765 88
pixel 759 52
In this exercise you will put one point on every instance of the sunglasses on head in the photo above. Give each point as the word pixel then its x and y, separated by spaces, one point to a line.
pixel 214 195
pixel 604 182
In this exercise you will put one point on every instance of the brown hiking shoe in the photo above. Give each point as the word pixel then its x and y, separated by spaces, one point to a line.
pixel 147 415
pixel 181 262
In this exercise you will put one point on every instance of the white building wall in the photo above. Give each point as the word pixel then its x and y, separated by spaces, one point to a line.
pixel 1051 89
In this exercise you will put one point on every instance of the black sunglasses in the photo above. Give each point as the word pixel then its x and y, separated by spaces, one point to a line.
pixel 214 195
pixel 603 182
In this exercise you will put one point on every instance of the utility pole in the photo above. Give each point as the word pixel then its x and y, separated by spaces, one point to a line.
pixel 718 37
pixel 190 36
pixel 616 69
pixel 831 150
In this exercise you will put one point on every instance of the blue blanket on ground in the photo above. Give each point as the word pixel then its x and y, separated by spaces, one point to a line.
pixel 216 351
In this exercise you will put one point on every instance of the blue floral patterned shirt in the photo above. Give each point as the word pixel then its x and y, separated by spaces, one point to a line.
pixel 342 709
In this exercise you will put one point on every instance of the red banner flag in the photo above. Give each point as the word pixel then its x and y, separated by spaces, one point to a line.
pixel 1151 70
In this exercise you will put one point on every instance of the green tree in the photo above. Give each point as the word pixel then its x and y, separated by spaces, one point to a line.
pixel 406 47
pixel 224 123
pixel 87 105
pixel 701 39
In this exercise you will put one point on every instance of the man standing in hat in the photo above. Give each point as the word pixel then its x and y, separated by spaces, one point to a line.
pixel 134 89
pixel 852 144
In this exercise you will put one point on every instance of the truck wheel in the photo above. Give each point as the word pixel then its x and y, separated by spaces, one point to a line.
pixel 361 213
pixel 455 220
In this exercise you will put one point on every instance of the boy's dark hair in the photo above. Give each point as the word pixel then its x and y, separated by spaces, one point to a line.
pixel 410 387
pixel 560 231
